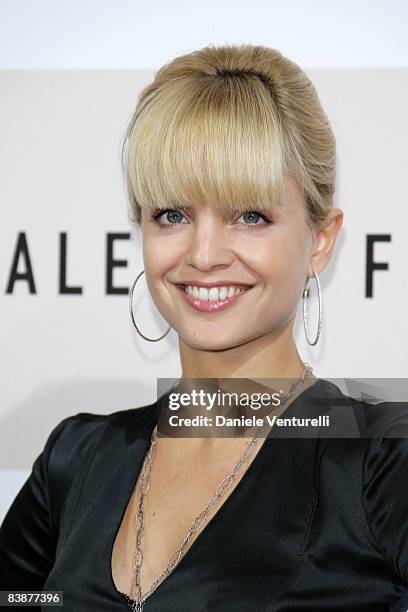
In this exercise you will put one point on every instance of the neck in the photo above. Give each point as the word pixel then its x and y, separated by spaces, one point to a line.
pixel 263 358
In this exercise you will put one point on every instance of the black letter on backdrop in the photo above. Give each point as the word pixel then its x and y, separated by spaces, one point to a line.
pixel 21 249
pixel 63 288
pixel 370 264
pixel 114 263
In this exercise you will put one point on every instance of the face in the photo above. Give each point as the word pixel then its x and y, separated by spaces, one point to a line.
pixel 264 255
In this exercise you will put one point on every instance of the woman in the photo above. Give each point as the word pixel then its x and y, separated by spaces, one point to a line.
pixel 230 167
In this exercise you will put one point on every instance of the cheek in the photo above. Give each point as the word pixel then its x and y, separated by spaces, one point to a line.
pixel 154 262
pixel 280 258
pixel 153 267
pixel 282 267
pixel 161 253
pixel 158 259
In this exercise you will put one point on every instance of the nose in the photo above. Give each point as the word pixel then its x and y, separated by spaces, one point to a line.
pixel 208 246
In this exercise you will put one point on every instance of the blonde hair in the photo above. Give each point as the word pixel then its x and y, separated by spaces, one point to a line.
pixel 226 125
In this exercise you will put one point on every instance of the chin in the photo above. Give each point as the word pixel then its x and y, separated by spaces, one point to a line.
pixel 214 343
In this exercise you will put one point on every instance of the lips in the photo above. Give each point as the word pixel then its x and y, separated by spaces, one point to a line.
pixel 212 305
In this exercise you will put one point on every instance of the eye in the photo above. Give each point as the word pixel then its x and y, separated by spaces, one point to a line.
pixel 171 216
pixel 253 216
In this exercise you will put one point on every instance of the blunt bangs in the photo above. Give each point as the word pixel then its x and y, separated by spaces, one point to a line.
pixel 215 139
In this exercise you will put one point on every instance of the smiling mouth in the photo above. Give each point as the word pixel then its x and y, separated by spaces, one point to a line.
pixel 212 299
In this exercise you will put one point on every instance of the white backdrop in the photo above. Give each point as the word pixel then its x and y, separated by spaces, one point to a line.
pixel 62 116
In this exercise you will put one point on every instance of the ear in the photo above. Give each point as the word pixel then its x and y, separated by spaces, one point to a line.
pixel 324 240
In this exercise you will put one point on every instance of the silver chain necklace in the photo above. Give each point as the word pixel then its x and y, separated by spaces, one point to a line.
pixel 137 604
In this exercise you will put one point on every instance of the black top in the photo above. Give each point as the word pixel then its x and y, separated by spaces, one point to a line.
pixel 315 523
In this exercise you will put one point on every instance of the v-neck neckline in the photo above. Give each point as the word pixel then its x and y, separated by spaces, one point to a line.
pixel 130 482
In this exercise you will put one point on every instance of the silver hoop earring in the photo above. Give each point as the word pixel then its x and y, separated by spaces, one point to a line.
pixel 305 296
pixel 131 290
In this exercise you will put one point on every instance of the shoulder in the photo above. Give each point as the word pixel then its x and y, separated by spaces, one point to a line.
pixel 386 428
pixel 362 434
pixel 82 442
pixel 385 474
pixel 354 415
pixel 371 450
pixel 381 427
pixel 75 439
pixel 84 428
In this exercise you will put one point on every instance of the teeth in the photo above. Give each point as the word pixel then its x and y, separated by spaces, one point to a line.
pixel 203 294
pixel 223 293
pixel 213 294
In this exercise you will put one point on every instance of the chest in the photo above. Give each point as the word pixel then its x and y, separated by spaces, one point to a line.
pixel 285 531
pixel 186 489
